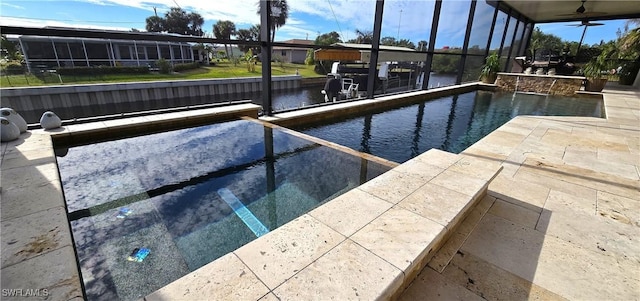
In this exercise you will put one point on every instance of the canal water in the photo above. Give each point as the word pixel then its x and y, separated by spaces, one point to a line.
pixel 282 100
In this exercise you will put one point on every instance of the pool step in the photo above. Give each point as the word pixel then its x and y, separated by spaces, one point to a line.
pixel 369 243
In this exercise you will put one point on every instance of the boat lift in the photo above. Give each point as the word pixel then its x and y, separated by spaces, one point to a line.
pixel 348 88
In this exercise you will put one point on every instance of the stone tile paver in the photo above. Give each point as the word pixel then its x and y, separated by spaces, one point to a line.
pixel 347 272
pixel 515 213
pixel 492 282
pixel 438 158
pixel 438 204
pixel 383 186
pixel 29 176
pixel 33 235
pixel 280 254
pixel 419 170
pixel 27 158
pixel 528 195
pixel 401 237
pixel 459 182
pixel 40 197
pixel 554 264
pixel 431 285
pixel 618 208
pixel 350 212
pixel 54 274
pixel 227 278
pixel 444 255
pixel 575 220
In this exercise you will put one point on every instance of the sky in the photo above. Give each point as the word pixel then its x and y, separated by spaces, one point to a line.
pixel 402 19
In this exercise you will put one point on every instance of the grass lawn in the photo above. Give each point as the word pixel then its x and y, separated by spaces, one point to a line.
pixel 220 70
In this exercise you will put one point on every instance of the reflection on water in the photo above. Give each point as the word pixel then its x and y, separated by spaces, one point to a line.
pixel 286 99
pixel 161 192
pixel 450 123
pixel 282 100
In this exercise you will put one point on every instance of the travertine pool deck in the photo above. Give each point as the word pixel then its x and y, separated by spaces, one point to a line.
pixel 563 221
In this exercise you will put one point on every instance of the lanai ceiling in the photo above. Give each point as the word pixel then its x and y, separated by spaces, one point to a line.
pixel 542 11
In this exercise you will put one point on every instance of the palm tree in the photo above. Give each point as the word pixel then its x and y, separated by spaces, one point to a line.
pixel 223 30
pixel 362 37
pixel 205 49
pixel 279 14
pixel 195 24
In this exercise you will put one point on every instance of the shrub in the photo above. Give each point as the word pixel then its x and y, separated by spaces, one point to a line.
pixel 185 66
pixel 102 70
pixel 164 66
pixel 13 68
pixel 309 58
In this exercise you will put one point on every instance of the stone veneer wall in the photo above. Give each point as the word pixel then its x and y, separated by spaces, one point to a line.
pixel 564 85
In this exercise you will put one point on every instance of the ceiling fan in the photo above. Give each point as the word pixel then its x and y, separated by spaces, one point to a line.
pixel 581 11
pixel 586 23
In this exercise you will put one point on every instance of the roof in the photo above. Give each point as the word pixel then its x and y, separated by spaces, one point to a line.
pixel 295 41
pixel 299 41
pixel 362 52
pixel 368 47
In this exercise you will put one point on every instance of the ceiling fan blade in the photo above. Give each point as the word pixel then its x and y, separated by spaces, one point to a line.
pixel 568 15
pixel 583 15
pixel 595 24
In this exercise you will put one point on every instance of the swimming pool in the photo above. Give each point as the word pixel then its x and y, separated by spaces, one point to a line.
pixel 147 210
pixel 450 123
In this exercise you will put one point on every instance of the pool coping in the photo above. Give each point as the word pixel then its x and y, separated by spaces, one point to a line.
pixel 342 109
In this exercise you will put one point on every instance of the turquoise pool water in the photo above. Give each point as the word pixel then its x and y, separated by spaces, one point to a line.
pixel 450 123
pixel 147 210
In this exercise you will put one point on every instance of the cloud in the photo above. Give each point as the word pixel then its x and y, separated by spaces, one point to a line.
pixel 38 23
pixel 12 5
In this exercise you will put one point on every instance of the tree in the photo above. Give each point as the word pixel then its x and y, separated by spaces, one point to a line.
pixel 328 39
pixel 422 45
pixel 206 49
pixel 362 37
pixel 541 40
pixel 279 14
pixel 223 30
pixel 195 24
pixel 244 35
pixel 388 41
pixel 251 34
pixel 628 53
pixel 391 41
pixel 309 60
pixel 11 48
pixel 405 43
pixel 155 24
pixel 176 20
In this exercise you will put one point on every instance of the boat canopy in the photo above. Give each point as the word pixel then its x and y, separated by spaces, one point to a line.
pixel 362 53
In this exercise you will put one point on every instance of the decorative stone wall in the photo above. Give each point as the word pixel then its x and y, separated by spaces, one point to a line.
pixel 544 84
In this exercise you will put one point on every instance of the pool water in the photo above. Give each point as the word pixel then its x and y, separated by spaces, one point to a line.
pixel 450 123
pixel 147 210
